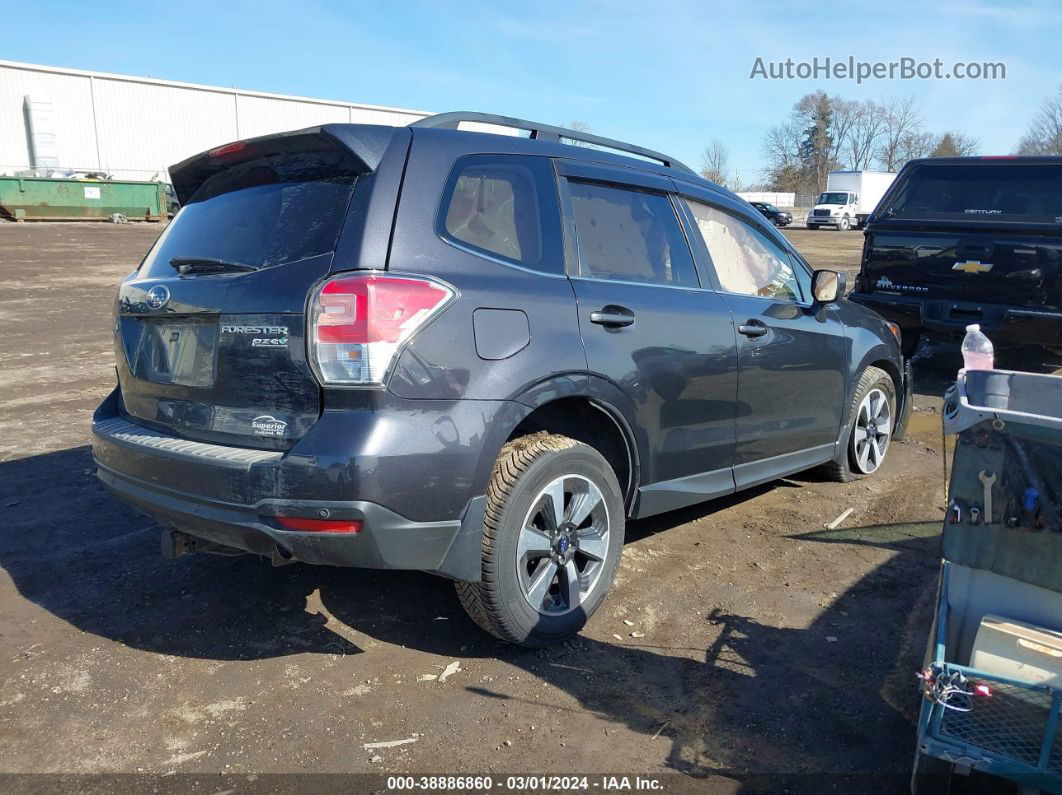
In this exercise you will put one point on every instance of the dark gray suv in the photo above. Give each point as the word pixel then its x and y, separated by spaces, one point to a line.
pixel 476 355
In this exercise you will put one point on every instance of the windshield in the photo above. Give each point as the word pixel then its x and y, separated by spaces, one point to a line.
pixel 833 198
pixel 255 215
pixel 771 208
pixel 980 191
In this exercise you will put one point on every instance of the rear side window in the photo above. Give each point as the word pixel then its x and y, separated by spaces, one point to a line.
pixel 268 212
pixel 629 235
pixel 980 192
pixel 504 207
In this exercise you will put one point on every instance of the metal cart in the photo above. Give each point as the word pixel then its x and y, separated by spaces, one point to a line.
pixel 1001 577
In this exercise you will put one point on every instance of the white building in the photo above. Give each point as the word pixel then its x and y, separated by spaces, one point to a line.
pixel 137 127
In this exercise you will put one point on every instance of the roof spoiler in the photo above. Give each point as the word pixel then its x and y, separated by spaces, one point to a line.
pixel 546 132
pixel 366 143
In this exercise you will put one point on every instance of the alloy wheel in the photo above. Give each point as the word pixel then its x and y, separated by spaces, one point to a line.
pixel 872 432
pixel 563 542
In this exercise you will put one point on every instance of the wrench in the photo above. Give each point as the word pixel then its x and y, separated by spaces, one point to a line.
pixel 987 481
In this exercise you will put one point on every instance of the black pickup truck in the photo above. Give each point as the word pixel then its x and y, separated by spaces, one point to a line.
pixel 969 240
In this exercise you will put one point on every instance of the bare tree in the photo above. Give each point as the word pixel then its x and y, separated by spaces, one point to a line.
pixel 1044 135
pixel 864 135
pixel 578 126
pixel 845 116
pixel 901 129
pixel 965 145
pixel 781 144
pixel 781 149
pixel 715 163
pixel 916 144
pixel 739 185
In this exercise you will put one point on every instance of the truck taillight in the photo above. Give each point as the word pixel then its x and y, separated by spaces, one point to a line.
pixel 359 321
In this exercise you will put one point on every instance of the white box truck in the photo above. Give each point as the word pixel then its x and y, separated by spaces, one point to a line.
pixel 849 199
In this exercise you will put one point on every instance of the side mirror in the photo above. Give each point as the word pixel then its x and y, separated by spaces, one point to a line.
pixel 828 286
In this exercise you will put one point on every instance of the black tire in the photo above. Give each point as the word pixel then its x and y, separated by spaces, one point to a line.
pixel 846 467
pixel 500 603
pixel 844 224
pixel 812 227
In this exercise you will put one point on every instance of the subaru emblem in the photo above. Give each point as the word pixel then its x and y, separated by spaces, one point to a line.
pixel 158 296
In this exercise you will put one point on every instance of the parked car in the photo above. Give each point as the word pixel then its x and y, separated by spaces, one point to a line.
pixel 172 204
pixel 773 214
pixel 849 199
pixel 476 355
pixel 969 240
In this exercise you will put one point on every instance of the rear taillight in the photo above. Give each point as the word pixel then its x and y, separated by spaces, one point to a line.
pixel 233 150
pixel 359 321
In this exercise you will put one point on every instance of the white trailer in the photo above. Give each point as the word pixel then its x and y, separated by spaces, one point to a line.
pixel 849 199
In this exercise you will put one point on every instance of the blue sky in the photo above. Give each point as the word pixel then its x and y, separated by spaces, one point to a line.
pixel 668 75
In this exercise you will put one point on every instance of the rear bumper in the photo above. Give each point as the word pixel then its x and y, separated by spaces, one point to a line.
pixel 947 319
pixel 419 510
pixel 387 540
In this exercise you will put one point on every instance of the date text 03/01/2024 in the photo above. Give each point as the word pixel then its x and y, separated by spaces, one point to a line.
pixel 524 782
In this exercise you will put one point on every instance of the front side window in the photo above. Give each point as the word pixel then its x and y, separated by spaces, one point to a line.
pixel 493 205
pixel 746 261
pixel 629 235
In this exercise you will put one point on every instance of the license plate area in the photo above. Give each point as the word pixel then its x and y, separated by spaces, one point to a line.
pixel 180 351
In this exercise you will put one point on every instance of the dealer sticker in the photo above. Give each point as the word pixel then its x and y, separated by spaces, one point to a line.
pixel 269 426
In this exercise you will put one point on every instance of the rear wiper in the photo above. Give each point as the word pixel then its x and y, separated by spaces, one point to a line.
pixel 185 265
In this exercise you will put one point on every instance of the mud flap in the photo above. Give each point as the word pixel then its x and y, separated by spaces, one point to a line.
pixel 463 560
pixel 906 399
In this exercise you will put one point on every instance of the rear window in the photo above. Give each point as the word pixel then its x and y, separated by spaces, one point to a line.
pixel 264 213
pixel 980 192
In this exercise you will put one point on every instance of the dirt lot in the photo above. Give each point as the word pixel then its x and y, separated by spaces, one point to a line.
pixel 828 248
pixel 741 643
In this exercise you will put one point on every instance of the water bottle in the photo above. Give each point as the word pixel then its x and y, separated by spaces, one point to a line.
pixel 977 352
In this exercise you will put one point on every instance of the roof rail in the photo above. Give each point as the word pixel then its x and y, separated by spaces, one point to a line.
pixel 546 132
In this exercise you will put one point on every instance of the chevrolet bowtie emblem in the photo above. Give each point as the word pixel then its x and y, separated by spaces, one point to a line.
pixel 972 266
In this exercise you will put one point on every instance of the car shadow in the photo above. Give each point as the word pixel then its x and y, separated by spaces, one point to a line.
pixel 751 701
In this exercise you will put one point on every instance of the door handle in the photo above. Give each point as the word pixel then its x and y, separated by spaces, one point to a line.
pixel 613 316
pixel 752 329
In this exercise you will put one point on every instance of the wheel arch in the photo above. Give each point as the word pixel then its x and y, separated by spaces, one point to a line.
pixel 876 357
pixel 595 423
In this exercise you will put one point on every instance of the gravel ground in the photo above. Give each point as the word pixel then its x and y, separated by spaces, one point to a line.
pixel 742 642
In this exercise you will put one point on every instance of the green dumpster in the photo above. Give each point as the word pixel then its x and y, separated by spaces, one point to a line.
pixel 44 199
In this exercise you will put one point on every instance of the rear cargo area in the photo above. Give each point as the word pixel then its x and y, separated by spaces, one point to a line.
pixel 210 330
